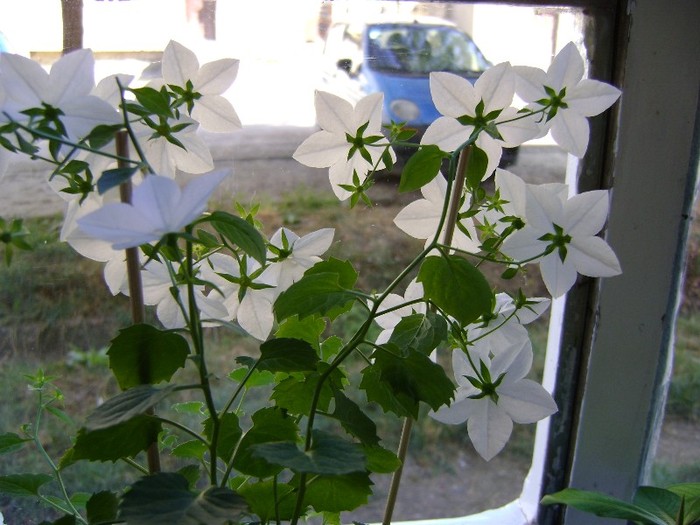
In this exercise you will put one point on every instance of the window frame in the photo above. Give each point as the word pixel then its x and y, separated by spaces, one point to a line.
pixel 616 335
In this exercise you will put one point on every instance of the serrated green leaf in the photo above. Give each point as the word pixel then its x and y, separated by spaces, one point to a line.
pixel 602 505
pixel 354 420
pixel 10 442
pixel 229 434
pixel 23 485
pixel 309 330
pixel 269 425
pixel 329 455
pixel 194 448
pixel 456 287
pixel 261 498
pixel 287 355
pixel 338 493
pixel 419 332
pixel 113 443
pixel 165 499
pixel 421 168
pixel 141 354
pixel 398 383
pixel 241 233
pixel 256 379
pixel 102 507
pixel 317 293
pixel 126 405
pixel 295 393
pixel 381 460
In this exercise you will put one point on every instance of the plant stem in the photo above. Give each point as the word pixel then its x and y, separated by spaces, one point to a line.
pixel 133 271
pixel 451 224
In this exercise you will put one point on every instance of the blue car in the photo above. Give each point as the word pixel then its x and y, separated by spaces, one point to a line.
pixel 397 58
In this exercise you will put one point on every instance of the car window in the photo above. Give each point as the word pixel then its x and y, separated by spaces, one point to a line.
pixel 420 49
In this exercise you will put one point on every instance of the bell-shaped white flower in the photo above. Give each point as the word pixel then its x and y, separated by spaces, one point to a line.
pixel 64 93
pixel 159 206
pixel 485 105
pixel 350 141
pixel 293 255
pixel 421 218
pixel 565 231
pixel 493 393
pixel 207 83
pixel 571 97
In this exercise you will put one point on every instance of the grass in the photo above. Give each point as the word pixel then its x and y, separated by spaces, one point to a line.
pixel 56 313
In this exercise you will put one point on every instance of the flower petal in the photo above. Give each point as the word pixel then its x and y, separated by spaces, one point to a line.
pixel 586 213
pixel 215 113
pixel 566 69
pixel 446 133
pixel 593 257
pixel 489 428
pixel 72 76
pixel 558 277
pixel 334 114
pixel 496 87
pixel 179 64
pixel 570 130
pixel 321 150
pixel 591 97
pixel 526 401
pixel 213 78
pixel 453 95
pixel 529 83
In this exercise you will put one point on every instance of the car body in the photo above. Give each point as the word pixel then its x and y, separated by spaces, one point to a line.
pixel 396 58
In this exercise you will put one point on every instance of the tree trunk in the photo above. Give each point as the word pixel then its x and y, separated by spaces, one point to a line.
pixel 72 13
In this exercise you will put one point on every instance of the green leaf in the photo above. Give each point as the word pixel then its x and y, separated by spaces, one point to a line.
pixel 347 276
pixel 456 287
pixel 229 434
pixel 241 233
pixel 194 448
pixel 127 405
pixel 65 520
pixel 10 442
pixel 354 420
pixel 691 491
pixel 315 293
pixel 102 507
pixel 602 505
pixel 295 393
pixel 23 485
pixel 398 383
pixel 154 101
pixel 141 354
pixel 419 332
pixel 329 455
pixel 261 498
pixel 338 493
pixel 309 330
pixel 113 178
pixel 102 135
pixel 165 499
pixel 381 460
pixel 421 168
pixel 113 443
pixel 287 355
pixel 269 425
pixel 257 378
pixel 476 167
pixel 660 502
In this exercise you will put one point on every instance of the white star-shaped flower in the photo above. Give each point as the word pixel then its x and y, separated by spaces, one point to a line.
pixel 232 278
pixel 63 94
pixel 486 105
pixel 159 206
pixel 157 291
pixel 207 83
pixel 293 255
pixel 349 142
pixel 492 394
pixel 573 98
pixel 421 218
pixel 565 231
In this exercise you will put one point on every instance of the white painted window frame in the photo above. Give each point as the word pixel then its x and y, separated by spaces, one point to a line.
pixel 612 340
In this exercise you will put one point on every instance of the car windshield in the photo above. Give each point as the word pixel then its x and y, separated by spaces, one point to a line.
pixel 419 49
